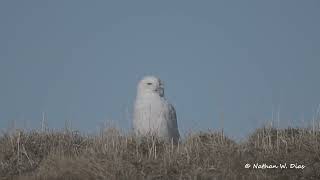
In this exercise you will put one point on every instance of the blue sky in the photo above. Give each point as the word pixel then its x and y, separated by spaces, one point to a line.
pixel 233 60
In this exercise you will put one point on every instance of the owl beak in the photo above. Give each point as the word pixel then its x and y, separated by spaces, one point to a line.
pixel 160 91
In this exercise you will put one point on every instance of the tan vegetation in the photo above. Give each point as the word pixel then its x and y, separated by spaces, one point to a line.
pixel 115 155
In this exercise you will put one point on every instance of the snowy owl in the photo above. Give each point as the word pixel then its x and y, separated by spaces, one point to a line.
pixel 153 114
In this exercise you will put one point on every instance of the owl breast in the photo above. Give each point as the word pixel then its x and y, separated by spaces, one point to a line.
pixel 150 116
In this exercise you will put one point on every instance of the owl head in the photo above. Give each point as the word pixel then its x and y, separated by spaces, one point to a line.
pixel 151 85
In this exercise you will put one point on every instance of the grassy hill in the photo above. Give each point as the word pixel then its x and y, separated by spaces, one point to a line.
pixel 203 155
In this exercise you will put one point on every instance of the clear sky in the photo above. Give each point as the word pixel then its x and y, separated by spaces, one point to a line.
pixel 225 64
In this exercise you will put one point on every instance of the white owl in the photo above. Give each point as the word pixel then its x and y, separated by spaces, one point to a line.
pixel 153 114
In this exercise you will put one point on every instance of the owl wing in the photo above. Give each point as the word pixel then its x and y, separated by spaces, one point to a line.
pixel 172 123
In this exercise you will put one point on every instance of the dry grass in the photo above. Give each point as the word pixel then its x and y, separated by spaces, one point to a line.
pixel 115 155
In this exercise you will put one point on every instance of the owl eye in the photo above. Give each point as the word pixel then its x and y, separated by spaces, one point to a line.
pixel 149 83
